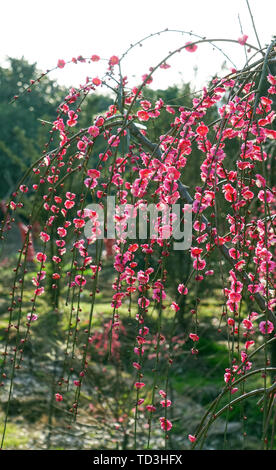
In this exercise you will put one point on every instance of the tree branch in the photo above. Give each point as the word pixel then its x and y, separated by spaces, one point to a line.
pixel 185 196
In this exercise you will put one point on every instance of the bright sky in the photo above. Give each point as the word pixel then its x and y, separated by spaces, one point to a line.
pixel 45 31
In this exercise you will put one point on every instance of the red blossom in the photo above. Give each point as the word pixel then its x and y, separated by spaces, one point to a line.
pixel 61 63
pixel 114 60
pixel 242 40
pixel 143 116
pixel 139 385
pixel 95 58
pixel 166 424
pixel 190 47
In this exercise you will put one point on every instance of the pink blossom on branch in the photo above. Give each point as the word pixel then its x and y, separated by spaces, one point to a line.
pixel 190 47
pixel 242 40
pixel 266 327
pixel 166 424
pixel 61 63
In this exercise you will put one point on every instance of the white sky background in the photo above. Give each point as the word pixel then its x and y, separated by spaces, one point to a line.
pixel 44 31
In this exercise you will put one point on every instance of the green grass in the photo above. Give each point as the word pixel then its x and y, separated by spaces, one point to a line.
pixel 15 437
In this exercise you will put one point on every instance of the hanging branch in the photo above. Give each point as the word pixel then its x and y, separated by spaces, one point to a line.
pixel 185 195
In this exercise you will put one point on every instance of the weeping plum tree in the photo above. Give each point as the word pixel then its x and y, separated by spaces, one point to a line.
pixel 88 199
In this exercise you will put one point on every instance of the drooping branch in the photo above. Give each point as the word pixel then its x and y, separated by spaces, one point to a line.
pixel 252 393
pixel 185 196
